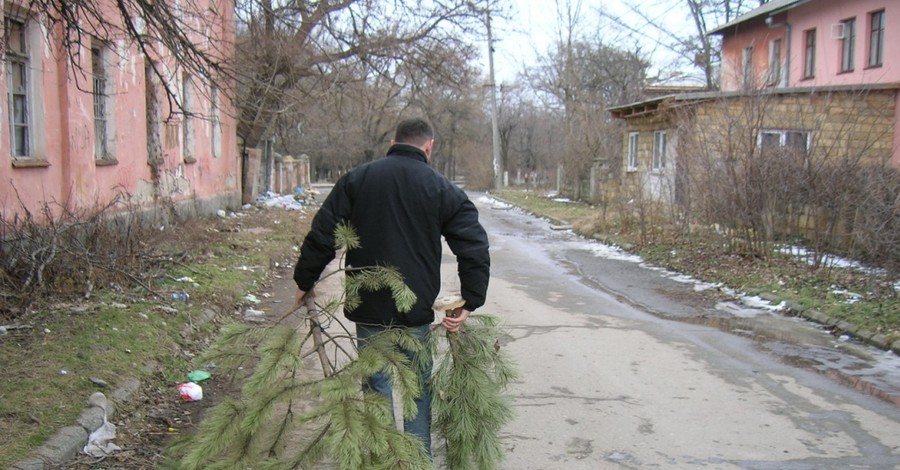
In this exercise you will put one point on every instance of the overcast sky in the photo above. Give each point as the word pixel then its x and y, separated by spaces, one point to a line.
pixel 532 28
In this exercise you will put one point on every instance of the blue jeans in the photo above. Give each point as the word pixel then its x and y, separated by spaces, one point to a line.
pixel 419 425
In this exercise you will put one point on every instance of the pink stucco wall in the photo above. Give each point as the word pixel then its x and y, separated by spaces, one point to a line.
pixel 819 15
pixel 63 168
pixel 753 34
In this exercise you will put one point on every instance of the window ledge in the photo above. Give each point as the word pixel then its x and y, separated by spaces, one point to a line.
pixel 631 169
pixel 106 162
pixel 190 160
pixel 873 67
pixel 29 163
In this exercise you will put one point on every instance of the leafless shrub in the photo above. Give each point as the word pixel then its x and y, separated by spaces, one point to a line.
pixel 65 252
pixel 771 168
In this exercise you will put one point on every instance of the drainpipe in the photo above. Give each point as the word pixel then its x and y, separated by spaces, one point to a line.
pixel 787 54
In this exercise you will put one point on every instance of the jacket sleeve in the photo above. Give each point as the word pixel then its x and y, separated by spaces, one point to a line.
pixel 318 247
pixel 469 242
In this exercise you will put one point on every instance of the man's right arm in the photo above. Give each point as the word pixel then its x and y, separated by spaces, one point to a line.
pixel 318 247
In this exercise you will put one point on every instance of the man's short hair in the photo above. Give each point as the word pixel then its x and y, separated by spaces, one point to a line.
pixel 415 131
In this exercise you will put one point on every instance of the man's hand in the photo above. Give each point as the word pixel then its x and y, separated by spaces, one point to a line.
pixel 455 318
pixel 301 294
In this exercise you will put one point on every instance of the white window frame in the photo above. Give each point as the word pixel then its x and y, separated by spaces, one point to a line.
pixel 19 61
pixel 660 150
pixel 632 162
pixel 783 137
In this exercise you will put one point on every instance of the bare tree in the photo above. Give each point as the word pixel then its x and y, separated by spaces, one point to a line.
pixel 281 44
pixel 692 47
pixel 581 79
pixel 192 36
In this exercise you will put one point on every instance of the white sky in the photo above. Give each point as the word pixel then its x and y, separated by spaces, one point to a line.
pixel 532 29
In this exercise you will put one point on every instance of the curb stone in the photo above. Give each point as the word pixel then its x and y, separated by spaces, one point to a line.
pixel 66 443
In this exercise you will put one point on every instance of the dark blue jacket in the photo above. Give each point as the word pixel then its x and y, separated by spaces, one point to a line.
pixel 400 207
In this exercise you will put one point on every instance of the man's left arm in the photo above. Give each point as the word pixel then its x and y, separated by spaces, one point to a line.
pixel 469 242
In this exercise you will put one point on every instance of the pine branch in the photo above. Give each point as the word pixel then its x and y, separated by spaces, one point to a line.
pixel 469 406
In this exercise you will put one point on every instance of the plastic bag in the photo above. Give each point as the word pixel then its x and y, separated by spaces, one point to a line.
pixel 190 391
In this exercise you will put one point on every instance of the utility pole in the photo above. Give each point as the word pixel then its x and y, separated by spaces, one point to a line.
pixel 498 173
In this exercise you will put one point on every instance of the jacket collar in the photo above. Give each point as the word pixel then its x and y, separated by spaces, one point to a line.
pixel 406 150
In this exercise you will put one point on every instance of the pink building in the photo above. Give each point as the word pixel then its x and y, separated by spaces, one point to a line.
pixel 815 45
pixel 83 134
pixel 807 43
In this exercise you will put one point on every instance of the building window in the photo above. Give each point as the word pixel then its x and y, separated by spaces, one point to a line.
pixel 18 88
pixel 794 143
pixel 747 66
pixel 809 56
pixel 632 151
pixel 101 101
pixel 216 122
pixel 153 105
pixel 187 121
pixel 774 76
pixel 848 44
pixel 659 150
pixel 876 39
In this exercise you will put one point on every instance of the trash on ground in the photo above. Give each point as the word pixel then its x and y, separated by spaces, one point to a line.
pixel 270 199
pixel 98 382
pixel 251 298
pixel 198 375
pixel 254 315
pixel 190 391
pixel 98 444
pixel 184 296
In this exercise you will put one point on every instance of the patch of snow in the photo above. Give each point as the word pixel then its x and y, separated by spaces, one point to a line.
pixel 760 303
pixel 602 250
pixel 851 297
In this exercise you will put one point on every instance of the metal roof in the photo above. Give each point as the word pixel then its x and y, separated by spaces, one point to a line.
pixel 771 8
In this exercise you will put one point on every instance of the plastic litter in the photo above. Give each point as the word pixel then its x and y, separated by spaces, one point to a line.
pixel 198 375
pixel 98 444
pixel 271 199
pixel 181 296
pixel 190 391
pixel 251 298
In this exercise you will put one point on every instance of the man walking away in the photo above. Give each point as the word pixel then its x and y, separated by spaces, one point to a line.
pixel 401 207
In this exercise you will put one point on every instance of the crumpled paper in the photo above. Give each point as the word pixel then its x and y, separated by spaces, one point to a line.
pixel 98 444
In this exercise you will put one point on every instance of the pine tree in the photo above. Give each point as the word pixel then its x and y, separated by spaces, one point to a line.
pixel 287 419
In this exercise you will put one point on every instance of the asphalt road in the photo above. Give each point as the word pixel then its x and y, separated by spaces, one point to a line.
pixel 629 367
